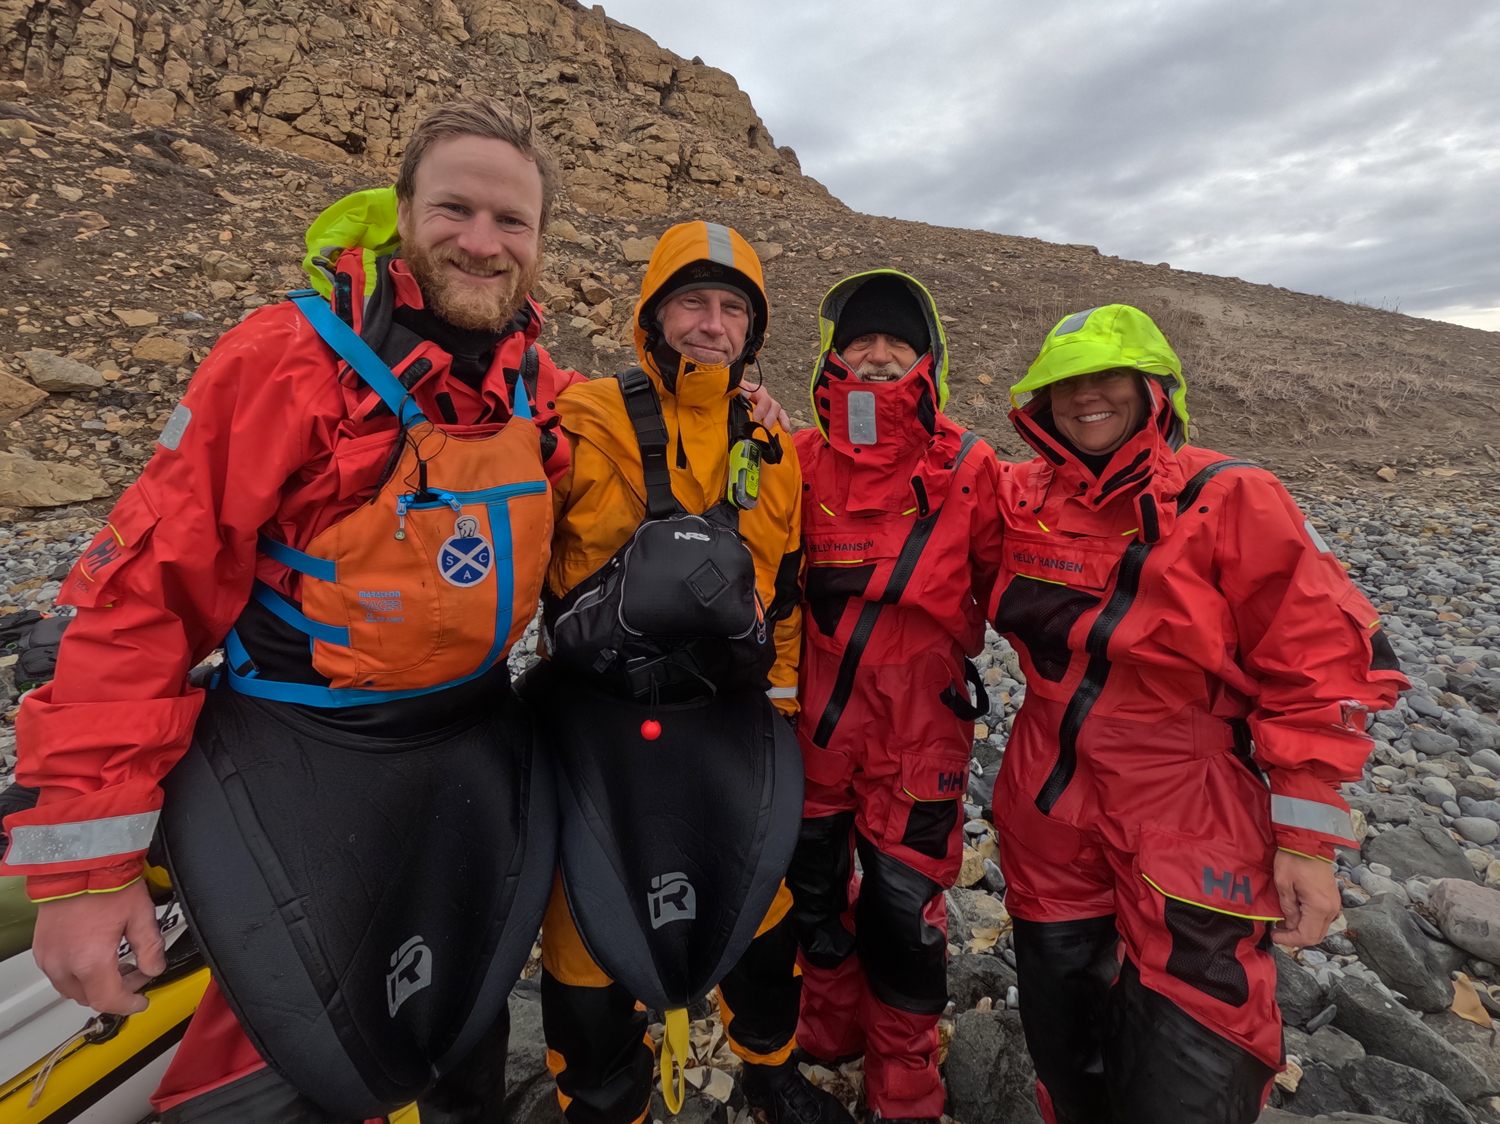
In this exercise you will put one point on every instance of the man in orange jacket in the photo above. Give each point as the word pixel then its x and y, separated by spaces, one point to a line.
pixel 685 787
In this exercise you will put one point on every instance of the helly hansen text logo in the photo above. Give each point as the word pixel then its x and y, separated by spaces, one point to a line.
pixel 951 782
pixel 1061 565
pixel 671 899
pixel 825 547
pixel 1232 887
pixel 692 536
pixel 411 971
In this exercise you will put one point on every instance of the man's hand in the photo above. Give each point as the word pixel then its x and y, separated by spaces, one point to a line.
pixel 77 944
pixel 765 409
pixel 1309 898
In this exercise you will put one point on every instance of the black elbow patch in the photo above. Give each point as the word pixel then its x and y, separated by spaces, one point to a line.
pixel 1382 655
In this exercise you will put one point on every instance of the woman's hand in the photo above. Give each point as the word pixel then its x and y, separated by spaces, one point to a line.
pixel 1309 898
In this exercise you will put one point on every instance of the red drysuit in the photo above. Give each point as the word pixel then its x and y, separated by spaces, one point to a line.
pixel 270 435
pixel 887 758
pixel 1198 669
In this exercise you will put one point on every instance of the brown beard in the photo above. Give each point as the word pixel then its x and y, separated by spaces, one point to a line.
pixel 463 307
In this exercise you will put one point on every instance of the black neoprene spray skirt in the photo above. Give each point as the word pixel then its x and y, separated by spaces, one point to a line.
pixel 672 850
pixel 365 892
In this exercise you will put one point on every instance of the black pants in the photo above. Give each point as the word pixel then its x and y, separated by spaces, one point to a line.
pixel 1112 1051
pixel 473 1093
pixel 596 1036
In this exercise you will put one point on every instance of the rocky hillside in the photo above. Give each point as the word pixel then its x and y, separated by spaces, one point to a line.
pixel 162 160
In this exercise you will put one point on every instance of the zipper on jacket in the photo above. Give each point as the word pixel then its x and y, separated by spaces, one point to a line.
pixel 1091 686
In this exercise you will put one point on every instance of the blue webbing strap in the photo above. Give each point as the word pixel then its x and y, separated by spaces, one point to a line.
pixel 354 351
pixel 331 634
pixel 324 569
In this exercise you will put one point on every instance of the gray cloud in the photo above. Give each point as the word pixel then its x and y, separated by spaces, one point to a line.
pixel 1348 148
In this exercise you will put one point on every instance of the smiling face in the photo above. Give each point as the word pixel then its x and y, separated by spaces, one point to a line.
pixel 471 231
pixel 1099 412
pixel 878 357
pixel 708 326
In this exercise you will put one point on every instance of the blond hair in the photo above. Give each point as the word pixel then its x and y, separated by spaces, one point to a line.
pixel 477 115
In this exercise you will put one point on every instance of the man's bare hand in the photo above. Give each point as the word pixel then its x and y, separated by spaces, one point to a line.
pixel 1309 898
pixel 766 410
pixel 77 944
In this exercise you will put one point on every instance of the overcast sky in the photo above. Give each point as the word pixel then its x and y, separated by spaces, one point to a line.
pixel 1349 148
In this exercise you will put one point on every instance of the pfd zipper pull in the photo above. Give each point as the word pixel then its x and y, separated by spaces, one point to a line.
pixel 401 502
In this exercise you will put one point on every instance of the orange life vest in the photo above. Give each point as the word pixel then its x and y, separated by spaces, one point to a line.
pixel 422 587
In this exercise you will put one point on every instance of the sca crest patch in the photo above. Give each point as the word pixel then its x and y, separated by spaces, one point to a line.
pixel 467 557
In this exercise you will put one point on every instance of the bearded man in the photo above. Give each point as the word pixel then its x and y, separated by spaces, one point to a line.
pixel 352 498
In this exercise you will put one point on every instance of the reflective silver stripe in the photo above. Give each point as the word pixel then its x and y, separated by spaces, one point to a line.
pixel 73 842
pixel 720 248
pixel 1074 323
pixel 1317 539
pixel 171 434
pixel 1288 811
pixel 782 693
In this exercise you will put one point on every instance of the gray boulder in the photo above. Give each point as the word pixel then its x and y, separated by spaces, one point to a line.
pixel 1477 1043
pixel 1297 993
pixel 1389 1088
pixel 1388 1030
pixel 972 978
pixel 1386 807
pixel 1414 849
pixel 1333 1048
pixel 58 375
pixel 1320 1090
pixel 1405 958
pixel 988 1071
pixel 1469 916
pixel 1482 690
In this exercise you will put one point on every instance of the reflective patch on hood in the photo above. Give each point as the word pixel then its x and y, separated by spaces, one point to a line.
pixel 1075 322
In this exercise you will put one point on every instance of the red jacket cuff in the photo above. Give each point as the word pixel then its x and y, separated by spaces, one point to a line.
pixel 100 880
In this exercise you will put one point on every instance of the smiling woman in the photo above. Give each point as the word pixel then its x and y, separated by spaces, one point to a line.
pixel 1099 412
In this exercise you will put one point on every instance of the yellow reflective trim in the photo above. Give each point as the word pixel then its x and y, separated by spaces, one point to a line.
pixel 407 1115
pixel 1049 581
pixel 1211 909
pixel 118 537
pixel 908 511
pixel 1132 531
pixel 826 508
pixel 838 562
pixel 80 893
pixel 923 800
pixel 1044 526
pixel 1305 855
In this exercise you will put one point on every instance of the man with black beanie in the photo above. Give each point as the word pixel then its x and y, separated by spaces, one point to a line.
pixel 901 531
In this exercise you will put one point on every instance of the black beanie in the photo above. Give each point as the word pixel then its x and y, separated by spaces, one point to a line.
pixel 885 305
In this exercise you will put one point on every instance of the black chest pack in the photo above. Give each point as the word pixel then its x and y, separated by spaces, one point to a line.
pixel 674 615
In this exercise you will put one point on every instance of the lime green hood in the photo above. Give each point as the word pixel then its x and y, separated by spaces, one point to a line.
pixel 366 219
pixel 828 315
pixel 1102 339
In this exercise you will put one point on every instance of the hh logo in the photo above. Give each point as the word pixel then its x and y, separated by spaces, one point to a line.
pixel 1232 887
pixel 411 971
pixel 951 782
pixel 105 552
pixel 671 899
pixel 693 536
